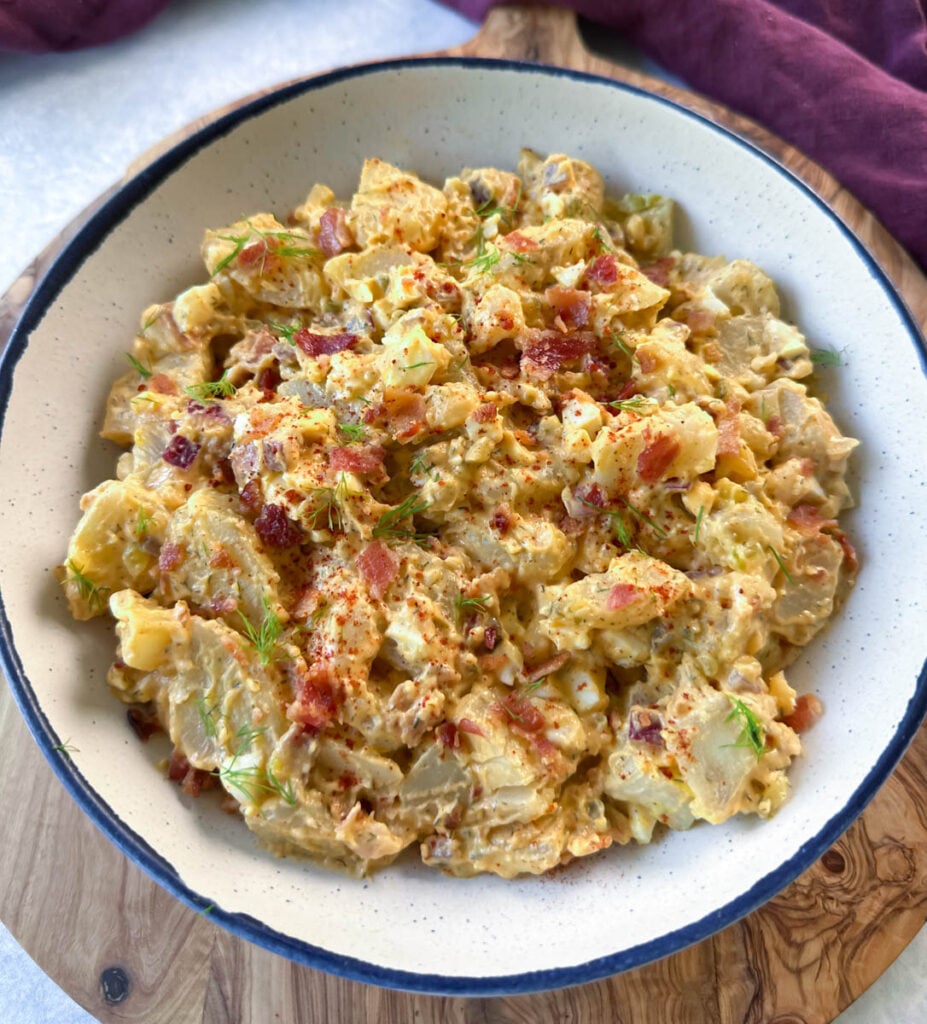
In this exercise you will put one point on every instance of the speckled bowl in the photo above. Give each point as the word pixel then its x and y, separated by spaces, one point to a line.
pixel 411 927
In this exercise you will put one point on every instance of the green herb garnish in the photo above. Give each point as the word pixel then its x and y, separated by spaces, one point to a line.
pixel 265 636
pixel 142 523
pixel 698 523
pixel 388 525
pixel 657 529
pixel 93 595
pixel 785 571
pixel 206 716
pixel 354 432
pixel 752 734
pixel 617 520
pixel 221 388
pixel 826 357
pixel 476 603
pixel 140 368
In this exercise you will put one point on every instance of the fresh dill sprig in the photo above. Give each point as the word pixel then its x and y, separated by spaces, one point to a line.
pixel 415 366
pixel 752 734
pixel 536 685
pixel 285 331
pixel 206 716
pixel 139 367
pixel 616 519
pixel 781 564
pixel 266 635
pixel 221 388
pixel 90 592
pixel 636 512
pixel 66 749
pixel 461 604
pixel 252 780
pixel 327 512
pixel 240 241
pixel 620 344
pixel 389 524
pixel 354 432
pixel 635 402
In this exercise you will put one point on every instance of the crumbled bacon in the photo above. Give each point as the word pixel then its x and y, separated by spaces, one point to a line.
pixel 729 429
pixel 180 452
pixel 621 596
pixel 659 271
pixel 171 556
pixel 362 459
pixel 316 345
pixel 525 718
pixel 484 412
pixel 162 384
pixel 628 390
pixel 808 709
pixel 317 699
pixel 546 351
pixel 447 734
pixel 490 638
pixel 192 780
pixel 468 726
pixel 405 412
pixel 221 559
pixel 646 360
pixel 275 528
pixel 501 520
pixel 144 723
pixel 603 270
pixel 808 519
pixel 378 567
pixel 532 675
pixel 518 242
pixel 656 458
pixel 572 305
pixel 334 234
pixel 268 379
pixel 251 495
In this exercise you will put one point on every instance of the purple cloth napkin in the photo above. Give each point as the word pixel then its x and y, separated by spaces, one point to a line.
pixel 41 25
pixel 841 80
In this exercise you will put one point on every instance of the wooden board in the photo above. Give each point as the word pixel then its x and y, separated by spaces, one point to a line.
pixel 84 912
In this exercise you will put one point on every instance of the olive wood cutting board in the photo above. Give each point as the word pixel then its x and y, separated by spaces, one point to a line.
pixel 126 950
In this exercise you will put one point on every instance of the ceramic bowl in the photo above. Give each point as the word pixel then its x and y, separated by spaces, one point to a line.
pixel 410 927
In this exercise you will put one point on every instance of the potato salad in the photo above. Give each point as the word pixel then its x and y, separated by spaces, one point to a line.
pixel 473 519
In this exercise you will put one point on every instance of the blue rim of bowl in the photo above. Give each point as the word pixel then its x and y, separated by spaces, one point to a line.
pixel 81 246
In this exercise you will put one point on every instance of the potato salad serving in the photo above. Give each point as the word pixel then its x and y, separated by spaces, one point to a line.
pixel 472 519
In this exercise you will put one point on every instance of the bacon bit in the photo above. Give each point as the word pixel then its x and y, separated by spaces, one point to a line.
pixel 490 638
pixel 501 520
pixel 378 566
pixel 590 494
pixel 348 780
pixel 470 727
pixel 547 351
pixel 192 780
pixel 268 380
pixel 621 596
pixel 363 459
pixel 646 361
pixel 405 411
pixel 493 662
pixel 163 384
pixel 547 668
pixel 447 734
pixel 276 529
pixel 317 700
pixel 484 412
pixel 807 467
pixel 525 718
pixel 628 390
pixel 316 345
pixel 729 429
pixel 180 452
pixel 171 556
pixel 774 426
pixel 334 234
pixel 808 519
pixel 518 242
pixel 808 709
pixel 658 272
pixel 656 458
pixel 221 559
pixel 603 270
pixel 144 723
pixel 572 305
pixel 251 495
pixel 700 321
pixel 220 606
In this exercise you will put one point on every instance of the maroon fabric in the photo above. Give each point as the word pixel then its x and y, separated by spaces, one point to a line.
pixel 841 80
pixel 42 25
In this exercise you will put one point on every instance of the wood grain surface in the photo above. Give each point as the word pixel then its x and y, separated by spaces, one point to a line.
pixel 85 913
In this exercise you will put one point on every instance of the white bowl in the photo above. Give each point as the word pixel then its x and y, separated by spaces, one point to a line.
pixel 411 927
